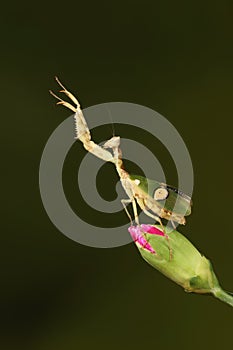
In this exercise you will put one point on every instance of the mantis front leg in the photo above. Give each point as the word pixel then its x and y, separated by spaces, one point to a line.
pixel 82 131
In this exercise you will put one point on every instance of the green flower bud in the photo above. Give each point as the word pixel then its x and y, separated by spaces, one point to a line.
pixel 177 258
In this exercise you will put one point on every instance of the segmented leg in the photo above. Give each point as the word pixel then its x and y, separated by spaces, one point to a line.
pixel 82 131
pixel 114 144
pixel 173 224
pixel 124 202
pixel 134 204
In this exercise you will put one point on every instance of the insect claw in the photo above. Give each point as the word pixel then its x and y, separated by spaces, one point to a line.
pixel 67 105
pixel 53 94
pixel 61 102
pixel 67 93
pixel 58 81
pixel 71 97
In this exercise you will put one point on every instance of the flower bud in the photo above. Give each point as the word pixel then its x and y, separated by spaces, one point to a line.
pixel 177 258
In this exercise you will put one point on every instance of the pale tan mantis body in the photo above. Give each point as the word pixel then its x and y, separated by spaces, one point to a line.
pixel 137 195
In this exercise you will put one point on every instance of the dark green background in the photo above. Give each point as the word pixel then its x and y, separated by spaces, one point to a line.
pixel 172 56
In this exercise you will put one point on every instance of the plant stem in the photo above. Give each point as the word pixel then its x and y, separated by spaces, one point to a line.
pixel 223 296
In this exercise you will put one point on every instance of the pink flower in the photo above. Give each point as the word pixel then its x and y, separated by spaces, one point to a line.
pixel 136 233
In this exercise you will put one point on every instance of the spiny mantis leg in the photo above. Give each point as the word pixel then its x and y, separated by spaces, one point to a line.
pixel 82 131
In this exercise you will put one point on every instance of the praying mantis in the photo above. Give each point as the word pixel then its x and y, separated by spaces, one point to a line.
pixel 157 200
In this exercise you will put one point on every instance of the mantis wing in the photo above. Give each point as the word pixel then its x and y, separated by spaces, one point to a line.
pixel 174 200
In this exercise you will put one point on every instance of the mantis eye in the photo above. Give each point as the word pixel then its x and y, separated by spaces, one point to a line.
pixel 160 194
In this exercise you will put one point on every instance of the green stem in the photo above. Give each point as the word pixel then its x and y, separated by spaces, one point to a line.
pixel 223 296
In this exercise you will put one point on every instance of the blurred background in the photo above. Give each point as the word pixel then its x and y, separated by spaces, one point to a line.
pixel 174 57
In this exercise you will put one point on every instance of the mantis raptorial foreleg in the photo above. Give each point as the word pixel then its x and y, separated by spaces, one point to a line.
pixel 82 131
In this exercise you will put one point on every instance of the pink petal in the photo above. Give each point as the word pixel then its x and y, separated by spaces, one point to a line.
pixel 134 231
pixel 136 234
pixel 143 242
pixel 152 229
